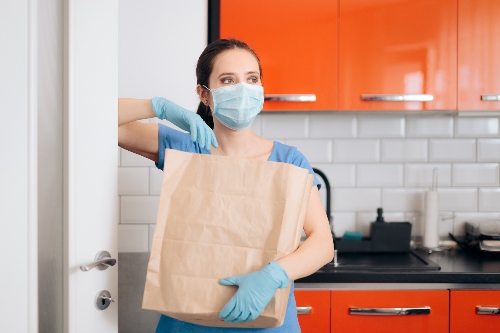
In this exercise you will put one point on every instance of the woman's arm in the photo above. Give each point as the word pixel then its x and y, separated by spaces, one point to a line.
pixel 137 137
pixel 317 250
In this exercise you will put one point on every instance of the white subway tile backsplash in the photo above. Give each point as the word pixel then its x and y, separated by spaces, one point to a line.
pixel 316 151
pixel 340 174
pixel 403 199
pixel 379 175
pixel 133 181
pixel 421 174
pixel 461 218
pixel 476 127
pixel 489 199
pixel 130 159
pixel 139 209
pixel 294 126
pixel 404 150
pixel 355 199
pixel 332 126
pixel 343 222
pixel 425 127
pixel 152 228
pixel 418 223
pixel 458 199
pixel 348 148
pixel 362 150
pixel 488 150
pixel 155 181
pixel 476 174
pixel 452 150
pixel 381 126
pixel 364 220
pixel 257 125
pixel 133 238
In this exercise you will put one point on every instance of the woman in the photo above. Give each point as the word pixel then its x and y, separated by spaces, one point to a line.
pixel 231 94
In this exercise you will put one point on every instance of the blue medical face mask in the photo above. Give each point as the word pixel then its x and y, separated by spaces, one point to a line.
pixel 237 105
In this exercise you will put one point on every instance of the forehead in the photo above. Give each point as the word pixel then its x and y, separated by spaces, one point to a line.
pixel 235 61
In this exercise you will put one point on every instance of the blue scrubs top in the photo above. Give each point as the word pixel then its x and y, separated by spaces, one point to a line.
pixel 172 139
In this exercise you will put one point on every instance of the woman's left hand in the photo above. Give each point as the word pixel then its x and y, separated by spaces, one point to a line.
pixel 255 290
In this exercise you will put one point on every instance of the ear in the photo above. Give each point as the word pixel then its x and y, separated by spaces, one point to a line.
pixel 203 94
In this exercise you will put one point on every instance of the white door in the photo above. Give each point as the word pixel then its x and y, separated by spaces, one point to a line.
pixel 91 157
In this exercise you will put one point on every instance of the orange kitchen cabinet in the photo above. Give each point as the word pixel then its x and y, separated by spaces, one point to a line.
pixel 296 42
pixel 396 49
pixel 465 311
pixel 354 311
pixel 313 310
pixel 478 55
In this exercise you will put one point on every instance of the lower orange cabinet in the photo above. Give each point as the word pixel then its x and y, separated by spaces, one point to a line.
pixel 474 311
pixel 313 310
pixel 390 311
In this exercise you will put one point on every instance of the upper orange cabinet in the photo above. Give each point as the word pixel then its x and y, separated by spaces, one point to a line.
pixel 296 42
pixel 478 55
pixel 398 54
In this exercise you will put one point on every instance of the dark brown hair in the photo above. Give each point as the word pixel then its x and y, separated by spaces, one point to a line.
pixel 206 63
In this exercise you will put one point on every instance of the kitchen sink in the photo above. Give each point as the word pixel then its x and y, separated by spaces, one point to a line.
pixel 401 261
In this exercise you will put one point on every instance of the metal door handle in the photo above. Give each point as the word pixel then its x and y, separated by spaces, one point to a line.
pixel 397 98
pixel 290 98
pixel 490 98
pixel 487 310
pixel 304 309
pixel 102 261
pixel 390 311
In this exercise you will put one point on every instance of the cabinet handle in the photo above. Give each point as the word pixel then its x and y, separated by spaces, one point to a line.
pixel 490 98
pixel 487 310
pixel 304 309
pixel 397 98
pixel 291 98
pixel 390 311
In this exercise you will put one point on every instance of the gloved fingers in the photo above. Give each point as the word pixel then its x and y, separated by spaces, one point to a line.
pixel 228 308
pixel 231 281
pixel 193 130
pixel 207 139
pixel 214 140
pixel 248 318
pixel 238 309
pixel 237 318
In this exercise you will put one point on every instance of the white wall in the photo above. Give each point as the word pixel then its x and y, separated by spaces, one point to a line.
pixel 18 230
pixel 372 159
pixel 159 44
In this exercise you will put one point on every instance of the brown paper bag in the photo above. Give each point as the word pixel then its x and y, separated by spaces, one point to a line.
pixel 219 217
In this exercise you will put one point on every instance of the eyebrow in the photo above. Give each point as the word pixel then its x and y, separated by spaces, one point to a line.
pixel 251 72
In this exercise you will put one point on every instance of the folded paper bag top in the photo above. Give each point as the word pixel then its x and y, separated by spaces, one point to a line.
pixel 218 217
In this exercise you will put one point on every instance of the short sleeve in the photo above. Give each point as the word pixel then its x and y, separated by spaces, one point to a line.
pixel 300 160
pixel 173 139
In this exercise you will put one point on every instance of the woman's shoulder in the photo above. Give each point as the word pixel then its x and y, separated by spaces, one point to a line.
pixel 287 154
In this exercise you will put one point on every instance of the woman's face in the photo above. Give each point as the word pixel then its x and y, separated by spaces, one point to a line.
pixel 232 67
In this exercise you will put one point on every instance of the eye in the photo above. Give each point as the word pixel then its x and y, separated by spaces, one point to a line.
pixel 253 79
pixel 227 80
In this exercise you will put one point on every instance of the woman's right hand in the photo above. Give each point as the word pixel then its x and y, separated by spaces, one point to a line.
pixel 186 120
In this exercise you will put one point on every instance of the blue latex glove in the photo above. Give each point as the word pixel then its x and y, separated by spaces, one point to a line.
pixel 254 293
pixel 186 120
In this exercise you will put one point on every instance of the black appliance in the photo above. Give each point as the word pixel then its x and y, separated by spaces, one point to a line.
pixel 484 235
